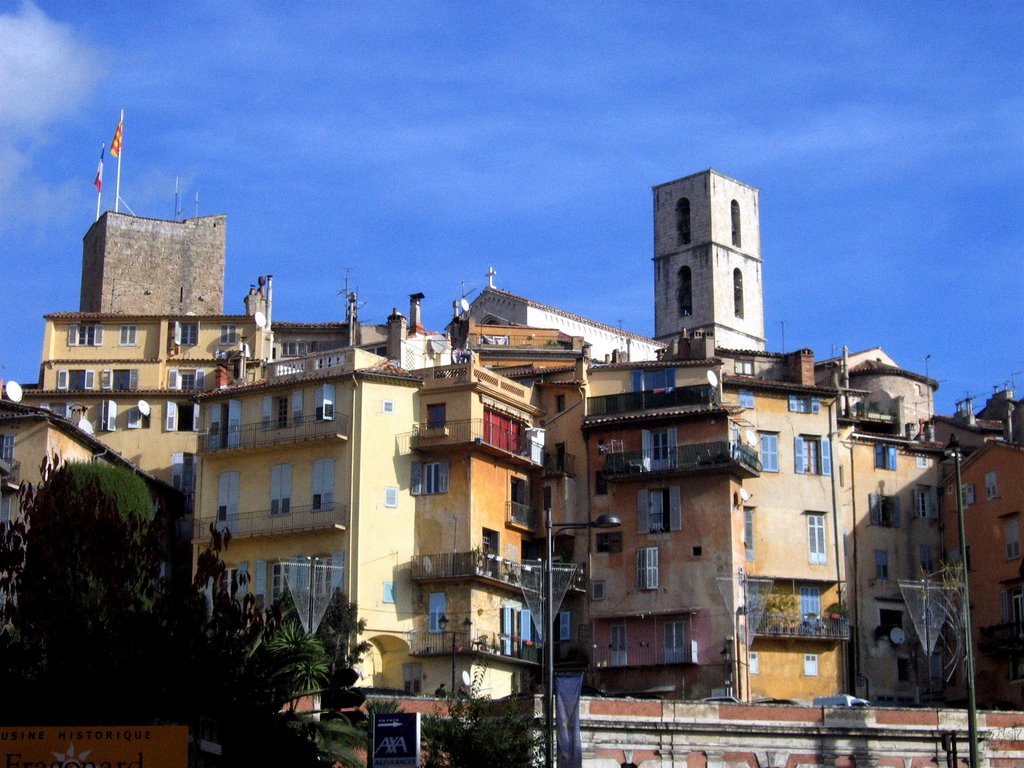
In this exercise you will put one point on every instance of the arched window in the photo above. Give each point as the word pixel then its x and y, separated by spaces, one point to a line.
pixel 736 240
pixel 737 292
pixel 685 292
pixel 683 220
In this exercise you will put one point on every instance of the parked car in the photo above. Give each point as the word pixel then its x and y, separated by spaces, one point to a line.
pixel 843 700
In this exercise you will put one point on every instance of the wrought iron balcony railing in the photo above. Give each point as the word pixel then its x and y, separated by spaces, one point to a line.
pixel 522 514
pixel 263 523
pixel 1008 636
pixel 273 432
pixel 425 643
pixel 786 625
pixel 458 565
pixel 514 441
pixel 683 458
pixel 559 464
pixel 640 655
pixel 626 402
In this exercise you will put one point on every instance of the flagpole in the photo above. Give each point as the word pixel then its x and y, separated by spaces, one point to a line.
pixel 117 186
pixel 99 181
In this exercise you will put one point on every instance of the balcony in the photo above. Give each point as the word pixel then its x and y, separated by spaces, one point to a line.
pixel 810 627
pixel 268 433
pixel 522 514
pixel 497 440
pixel 1002 638
pixel 423 643
pixel 559 465
pixel 507 338
pixel 640 655
pixel 696 457
pixel 627 402
pixel 263 523
pixel 462 565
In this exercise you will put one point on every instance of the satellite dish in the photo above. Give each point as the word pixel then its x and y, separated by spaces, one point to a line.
pixel 261 320
pixel 144 408
pixel 712 379
pixel 13 390
pixel 744 494
pixel 84 425
pixel 751 437
pixel 464 304
pixel 897 635
pixel 466 679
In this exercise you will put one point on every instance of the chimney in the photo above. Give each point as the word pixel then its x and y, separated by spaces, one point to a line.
pixel 397 331
pixel 223 375
pixel 415 326
pixel 800 365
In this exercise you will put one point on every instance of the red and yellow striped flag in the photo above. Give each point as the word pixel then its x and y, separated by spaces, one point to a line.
pixel 115 143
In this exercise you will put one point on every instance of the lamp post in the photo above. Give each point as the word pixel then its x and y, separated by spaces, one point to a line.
pixel 443 622
pixel 603 521
pixel 953 451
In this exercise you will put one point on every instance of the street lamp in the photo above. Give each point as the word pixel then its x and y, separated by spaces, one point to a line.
pixel 953 451
pixel 443 623
pixel 603 521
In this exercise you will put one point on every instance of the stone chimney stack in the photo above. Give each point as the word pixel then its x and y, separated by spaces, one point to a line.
pixel 415 325
pixel 801 367
pixel 397 331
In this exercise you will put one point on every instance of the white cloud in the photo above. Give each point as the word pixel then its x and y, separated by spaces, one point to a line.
pixel 44 70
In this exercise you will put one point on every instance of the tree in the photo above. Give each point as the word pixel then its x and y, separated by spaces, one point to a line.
pixel 478 731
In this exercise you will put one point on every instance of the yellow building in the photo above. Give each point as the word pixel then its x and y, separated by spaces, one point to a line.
pixel 304 465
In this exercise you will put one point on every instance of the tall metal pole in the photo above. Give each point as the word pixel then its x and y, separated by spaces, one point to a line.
pixel 549 660
pixel 453 662
pixel 972 708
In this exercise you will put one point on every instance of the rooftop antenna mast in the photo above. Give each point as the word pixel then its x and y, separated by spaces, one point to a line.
pixel 177 197
pixel 351 308
pixel 197 205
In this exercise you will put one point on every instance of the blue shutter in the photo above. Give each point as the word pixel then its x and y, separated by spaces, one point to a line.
pixel 417 478
pixel 874 507
pixel 638 381
pixel 815 404
pixel 799 455
pixel 526 619
pixel 670 378
pixel 826 456
pixel 891 456
pixel 794 403
pixel 896 510
pixel 643 524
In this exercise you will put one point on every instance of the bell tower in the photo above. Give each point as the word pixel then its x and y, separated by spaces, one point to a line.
pixel 707 260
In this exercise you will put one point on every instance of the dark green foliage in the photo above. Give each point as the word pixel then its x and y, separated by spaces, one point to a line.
pixel 478 731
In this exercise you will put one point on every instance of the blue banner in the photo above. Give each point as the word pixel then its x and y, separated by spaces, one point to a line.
pixel 567 720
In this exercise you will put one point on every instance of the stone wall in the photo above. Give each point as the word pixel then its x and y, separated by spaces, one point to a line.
pixel 132 265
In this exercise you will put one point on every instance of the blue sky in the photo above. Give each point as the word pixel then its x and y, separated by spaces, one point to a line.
pixel 416 144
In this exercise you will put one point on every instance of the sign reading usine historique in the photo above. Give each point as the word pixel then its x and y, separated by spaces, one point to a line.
pixel 148 746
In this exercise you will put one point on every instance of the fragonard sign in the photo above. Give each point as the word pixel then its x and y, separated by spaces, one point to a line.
pixel 396 740
pixel 156 746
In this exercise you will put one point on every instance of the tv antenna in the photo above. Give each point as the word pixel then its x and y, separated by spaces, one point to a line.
pixel 197 205
pixel 177 197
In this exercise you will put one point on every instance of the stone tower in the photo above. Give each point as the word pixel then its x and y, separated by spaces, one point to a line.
pixel 132 265
pixel 707 260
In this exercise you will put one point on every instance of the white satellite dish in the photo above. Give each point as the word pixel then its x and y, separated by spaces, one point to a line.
pixel 260 319
pixel 751 437
pixel 466 679
pixel 464 304
pixel 712 379
pixel 744 494
pixel 13 390
pixel 897 636
pixel 84 425
pixel 144 408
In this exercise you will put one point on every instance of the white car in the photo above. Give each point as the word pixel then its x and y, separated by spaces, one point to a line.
pixel 843 700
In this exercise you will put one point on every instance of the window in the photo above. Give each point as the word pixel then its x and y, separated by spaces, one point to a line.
pixel 903 670
pixel 559 403
pixel 658 449
pixel 390 497
pixel 108 415
pixel 675 642
pixel 683 220
pixel 881 565
pixel 746 398
pixel 812 455
pixel 437 415
pixel 737 239
pixel 926 559
pixel 429 477
pixel 325 402
pixel 737 293
pixel 885 510
pixel 923 462
pixel 816 539
pixel 503 431
pixel 924 501
pixel 885 456
pixel 323 485
pixel 228 333
pixel 120 380
pixel 181 417
pixel 128 334
pixel 811 664
pixel 600 483
pixel 183 472
pixel 281 489
pixel 7 447
pixel 388 592
pixel 6 510
pixel 186 334
pixel 754 662
pixel 1011 534
pixel 659 510
pixel 387 406
pixel 620 656
pixel 565 625
pixel 967 494
pixel 76 379
pixel 656 380
pixel 770 451
pixel 810 601
pixel 412 678
pixel 647 568
pixel 188 379
pixel 436 611
pixel 294 348
pixel 991 486
pixel 609 541
pixel 803 404
pixel 744 367
pixel 748 532
pixel 597 589
pixel 889 618
pixel 228 485
pixel 685 292
pixel 136 420
pixel 85 335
